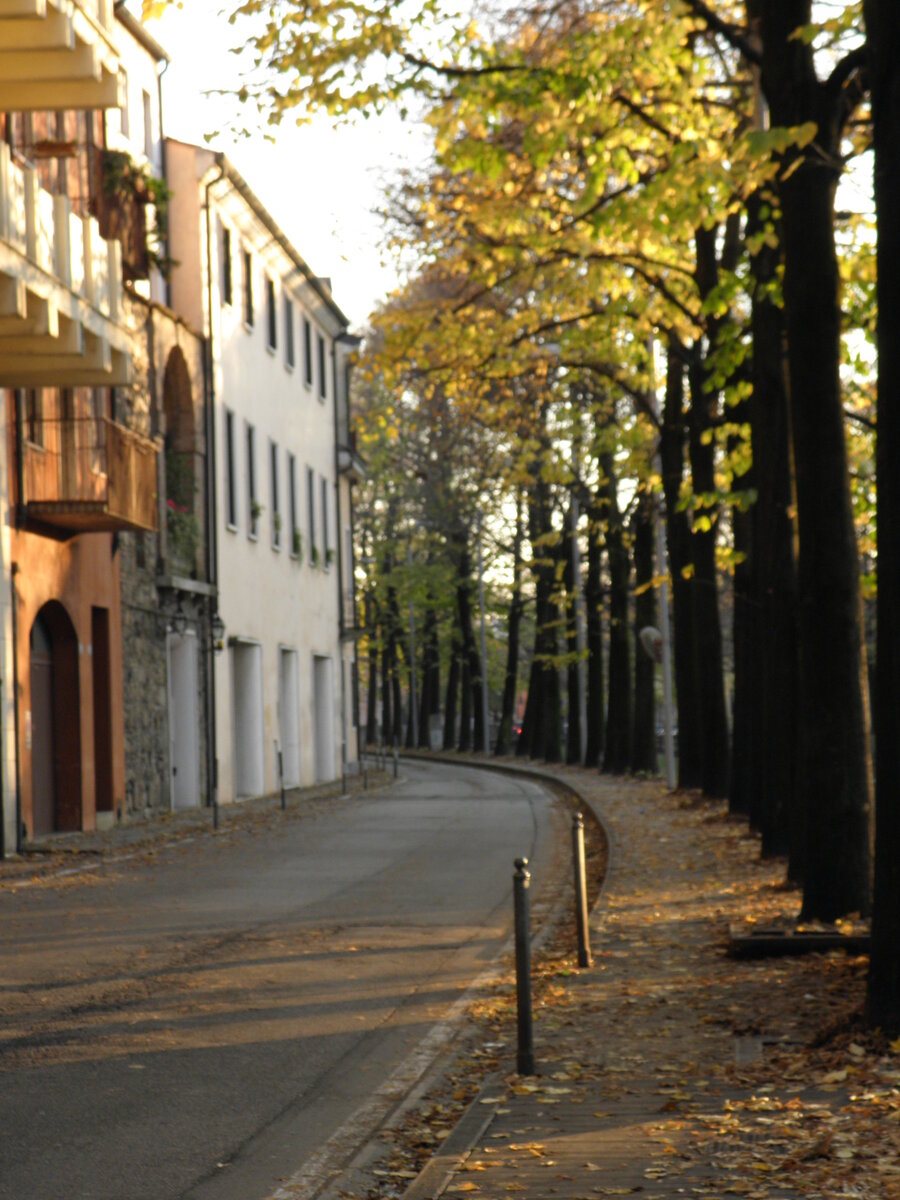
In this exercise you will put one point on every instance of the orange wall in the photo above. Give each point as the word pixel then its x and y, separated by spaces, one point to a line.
pixel 80 574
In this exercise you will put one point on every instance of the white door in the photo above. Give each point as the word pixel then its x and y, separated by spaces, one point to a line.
pixel 184 721
pixel 323 718
pixel 247 707
pixel 289 716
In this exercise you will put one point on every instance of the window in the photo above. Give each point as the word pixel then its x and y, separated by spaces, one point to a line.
pixel 307 353
pixel 292 502
pixel 276 496
pixel 323 386
pixel 255 508
pixel 248 288
pixel 227 281
pixel 327 552
pixel 289 331
pixel 271 317
pixel 230 498
pixel 311 514
pixel 148 124
pixel 33 413
pixel 124 123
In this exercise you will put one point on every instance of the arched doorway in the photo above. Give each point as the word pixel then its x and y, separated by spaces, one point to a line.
pixel 55 722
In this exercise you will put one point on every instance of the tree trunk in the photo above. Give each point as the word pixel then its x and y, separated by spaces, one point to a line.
pixel 452 697
pixel 775 810
pixel 430 702
pixel 541 732
pixel 747 751
pixel 678 536
pixel 593 604
pixel 618 712
pixel 573 691
pixel 835 766
pixel 516 607
pixel 372 700
pixel 883 21
pixel 643 738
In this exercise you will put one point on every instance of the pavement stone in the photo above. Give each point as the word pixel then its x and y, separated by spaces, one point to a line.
pixel 641 1056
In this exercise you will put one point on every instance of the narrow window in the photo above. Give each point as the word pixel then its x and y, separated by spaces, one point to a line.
pixel 148 125
pixel 276 497
pixel 289 331
pixel 253 499
pixel 307 353
pixel 327 552
pixel 323 386
pixel 227 282
pixel 271 317
pixel 124 123
pixel 230 499
pixel 311 514
pixel 248 288
pixel 34 425
pixel 292 500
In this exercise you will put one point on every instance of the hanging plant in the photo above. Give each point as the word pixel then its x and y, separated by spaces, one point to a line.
pixel 129 190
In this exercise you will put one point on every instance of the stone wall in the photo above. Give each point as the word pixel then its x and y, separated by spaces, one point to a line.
pixel 151 590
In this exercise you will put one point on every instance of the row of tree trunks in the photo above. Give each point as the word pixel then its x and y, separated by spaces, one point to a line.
pixel 504 743
pixel 643 736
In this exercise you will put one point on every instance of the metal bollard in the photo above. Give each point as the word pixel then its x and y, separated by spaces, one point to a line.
pixel 365 771
pixel 396 760
pixel 343 783
pixel 581 911
pixel 521 885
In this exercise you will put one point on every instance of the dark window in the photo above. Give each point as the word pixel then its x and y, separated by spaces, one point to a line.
pixel 227 283
pixel 230 499
pixel 248 287
pixel 276 498
pixel 311 513
pixel 323 386
pixel 307 353
pixel 254 505
pixel 288 331
pixel 326 532
pixel 271 317
pixel 292 500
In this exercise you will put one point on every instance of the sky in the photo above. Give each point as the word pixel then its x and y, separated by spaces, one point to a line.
pixel 321 182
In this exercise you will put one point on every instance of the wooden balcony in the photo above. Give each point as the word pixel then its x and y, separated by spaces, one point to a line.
pixel 89 475
pixel 58 54
pixel 61 321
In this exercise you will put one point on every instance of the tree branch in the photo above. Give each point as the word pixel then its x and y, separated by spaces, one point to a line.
pixel 731 33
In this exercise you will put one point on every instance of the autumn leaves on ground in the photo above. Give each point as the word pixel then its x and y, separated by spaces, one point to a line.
pixel 689 1072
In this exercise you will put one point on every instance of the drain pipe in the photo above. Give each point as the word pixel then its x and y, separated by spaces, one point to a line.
pixel 212 558
pixel 13 572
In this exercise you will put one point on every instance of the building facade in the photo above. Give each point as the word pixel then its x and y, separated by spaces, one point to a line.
pixel 73 475
pixel 278 350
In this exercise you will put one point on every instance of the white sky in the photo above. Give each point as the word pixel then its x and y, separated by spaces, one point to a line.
pixel 320 182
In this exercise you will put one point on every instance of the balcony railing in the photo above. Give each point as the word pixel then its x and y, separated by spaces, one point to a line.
pixel 60 290
pixel 89 474
pixel 58 54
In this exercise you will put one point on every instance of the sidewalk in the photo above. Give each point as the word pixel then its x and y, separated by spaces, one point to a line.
pixel 64 854
pixel 669 1070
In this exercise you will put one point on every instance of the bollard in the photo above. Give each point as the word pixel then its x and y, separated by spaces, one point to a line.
pixel 581 912
pixel 215 794
pixel 396 760
pixel 343 783
pixel 365 771
pixel 521 884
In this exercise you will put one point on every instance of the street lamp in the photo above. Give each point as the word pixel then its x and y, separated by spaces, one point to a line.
pixel 179 620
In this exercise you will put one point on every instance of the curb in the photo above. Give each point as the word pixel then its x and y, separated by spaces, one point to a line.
pixel 435 1176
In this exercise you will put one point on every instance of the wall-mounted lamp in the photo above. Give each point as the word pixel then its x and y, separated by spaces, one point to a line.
pixel 179 621
pixel 217 629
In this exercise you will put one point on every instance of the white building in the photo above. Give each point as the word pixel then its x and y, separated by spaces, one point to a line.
pixel 278 351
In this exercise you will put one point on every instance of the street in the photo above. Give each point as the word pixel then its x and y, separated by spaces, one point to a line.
pixel 198 1023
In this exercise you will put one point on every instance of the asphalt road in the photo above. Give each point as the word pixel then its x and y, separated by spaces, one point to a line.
pixel 197 1023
